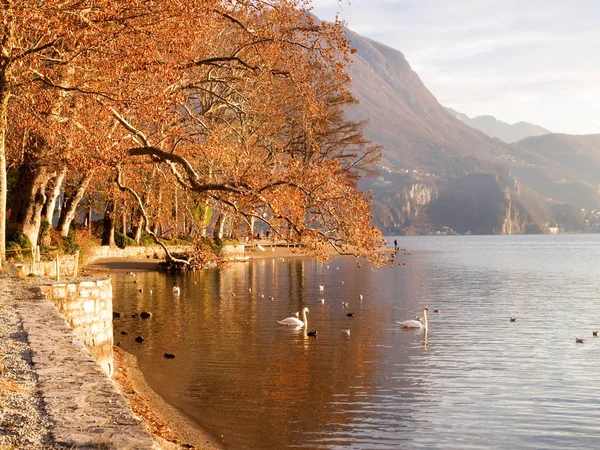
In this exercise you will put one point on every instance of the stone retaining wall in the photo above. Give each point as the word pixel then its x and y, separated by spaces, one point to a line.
pixel 66 263
pixel 87 308
pixel 234 252
pixel 151 252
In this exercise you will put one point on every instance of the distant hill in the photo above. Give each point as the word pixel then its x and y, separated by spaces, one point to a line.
pixel 439 174
pixel 501 130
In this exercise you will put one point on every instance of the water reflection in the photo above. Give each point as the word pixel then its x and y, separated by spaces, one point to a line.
pixel 474 379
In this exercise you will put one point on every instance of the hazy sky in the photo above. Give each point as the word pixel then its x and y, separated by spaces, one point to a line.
pixel 531 60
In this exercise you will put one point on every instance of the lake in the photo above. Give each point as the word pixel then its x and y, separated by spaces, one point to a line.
pixel 477 380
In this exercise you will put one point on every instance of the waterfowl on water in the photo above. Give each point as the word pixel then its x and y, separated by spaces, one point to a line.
pixel 169 355
pixel 321 300
pixel 412 323
pixel 321 288
pixel 294 321
pixel 436 310
pixel 513 319
pixel 579 340
pixel 346 332
pixel 350 314
pixel 594 333
pixel 176 290
pixel 345 304
pixel 312 333
pixel 360 296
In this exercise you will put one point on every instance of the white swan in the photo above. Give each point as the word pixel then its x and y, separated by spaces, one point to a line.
pixel 321 288
pixel 412 323
pixel 176 290
pixel 294 321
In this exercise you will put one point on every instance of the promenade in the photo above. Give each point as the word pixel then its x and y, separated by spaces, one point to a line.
pixel 54 395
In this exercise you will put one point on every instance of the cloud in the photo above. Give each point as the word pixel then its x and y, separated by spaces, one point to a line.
pixel 489 55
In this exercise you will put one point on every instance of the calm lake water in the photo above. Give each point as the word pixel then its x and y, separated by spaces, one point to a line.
pixel 477 380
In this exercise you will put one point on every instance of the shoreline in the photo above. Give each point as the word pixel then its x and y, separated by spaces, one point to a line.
pixel 169 427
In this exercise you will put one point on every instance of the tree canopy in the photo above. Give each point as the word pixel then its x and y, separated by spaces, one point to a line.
pixel 232 106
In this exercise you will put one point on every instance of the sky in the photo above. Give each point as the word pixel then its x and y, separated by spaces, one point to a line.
pixel 536 61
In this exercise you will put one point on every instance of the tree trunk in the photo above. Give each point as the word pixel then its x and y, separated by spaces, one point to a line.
pixel 67 213
pixel 108 235
pixel 138 230
pixel 52 194
pixel 6 42
pixel 4 96
pixel 252 222
pixel 156 226
pixel 220 226
pixel 205 219
pixel 124 222
pixel 29 194
pixel 89 219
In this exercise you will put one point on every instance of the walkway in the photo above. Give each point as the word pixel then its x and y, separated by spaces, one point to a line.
pixel 54 395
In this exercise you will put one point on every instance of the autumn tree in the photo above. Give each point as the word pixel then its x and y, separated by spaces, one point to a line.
pixel 238 103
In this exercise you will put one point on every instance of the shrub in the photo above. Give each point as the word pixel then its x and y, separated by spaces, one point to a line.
pixel 70 245
pixel 122 240
pixel 17 245
pixel 146 240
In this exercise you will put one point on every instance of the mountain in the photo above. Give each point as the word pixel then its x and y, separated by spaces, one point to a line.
pixel 440 175
pixel 498 129
pixel 415 130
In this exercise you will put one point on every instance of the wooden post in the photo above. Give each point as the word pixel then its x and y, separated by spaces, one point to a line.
pixel 76 266
pixel 57 269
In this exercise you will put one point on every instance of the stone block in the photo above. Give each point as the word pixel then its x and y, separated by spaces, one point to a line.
pixel 87 284
pixel 88 306
pixel 59 292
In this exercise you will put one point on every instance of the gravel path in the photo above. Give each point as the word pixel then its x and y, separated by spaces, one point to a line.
pixel 53 394
pixel 24 422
